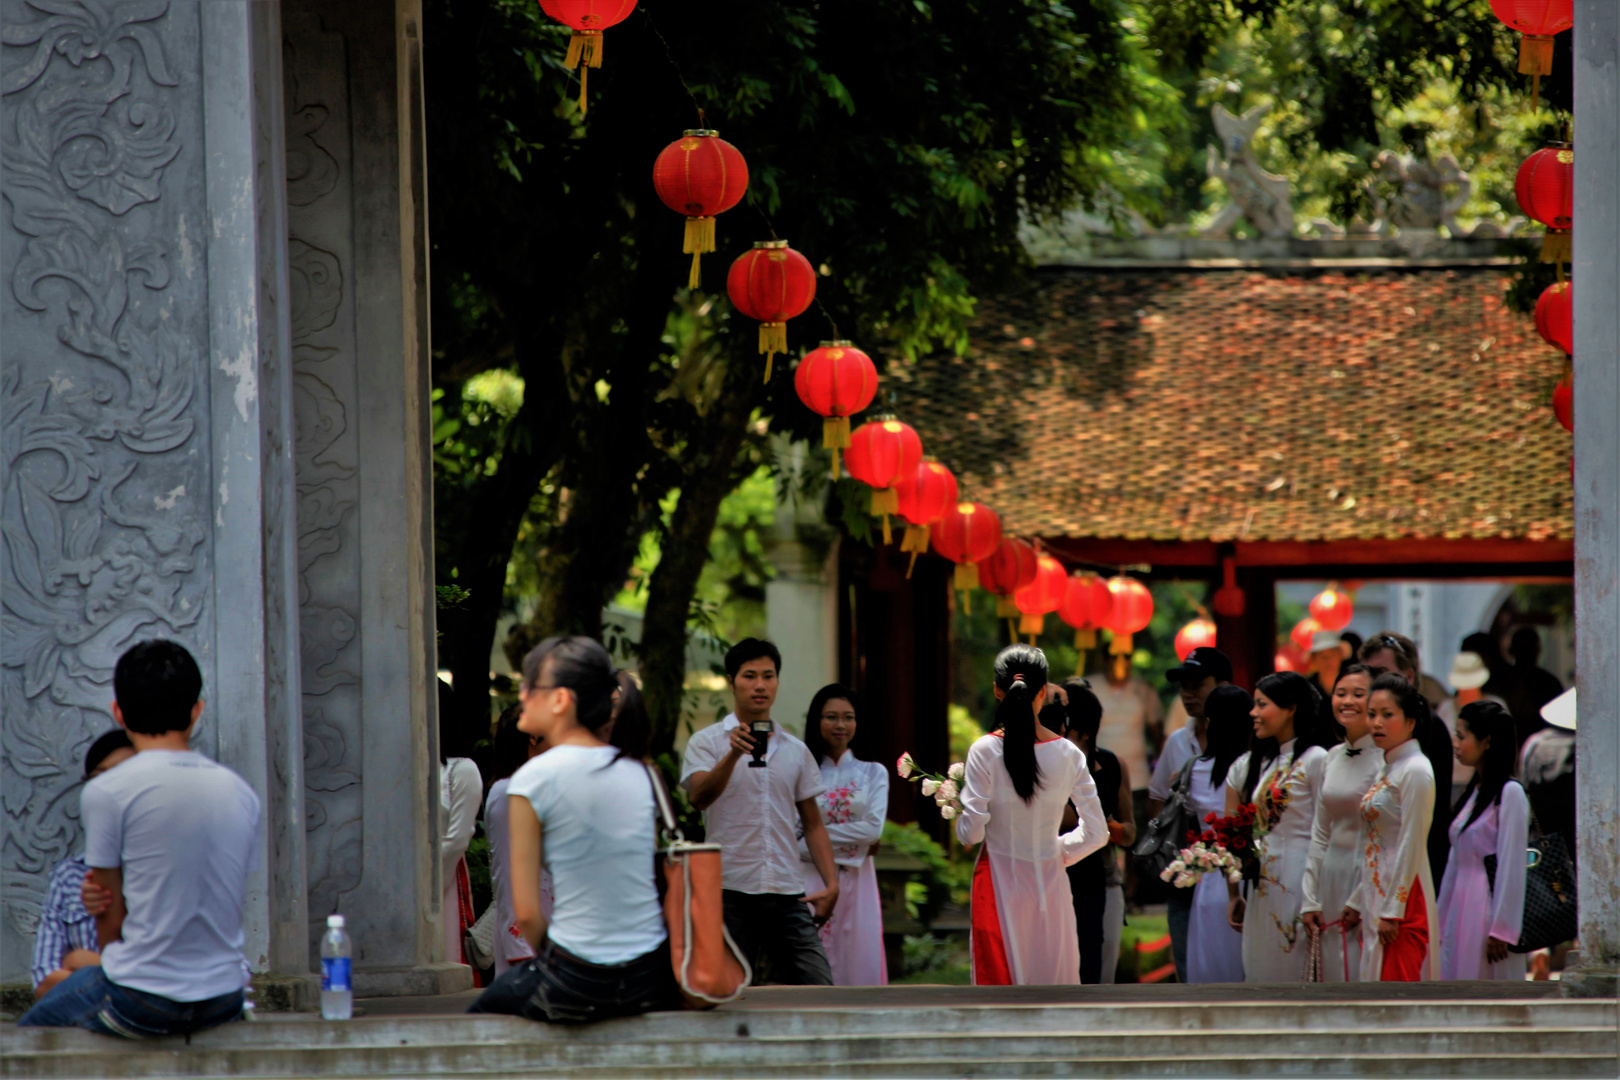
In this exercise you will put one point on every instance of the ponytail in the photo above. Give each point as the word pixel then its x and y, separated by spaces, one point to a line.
pixel 1020 673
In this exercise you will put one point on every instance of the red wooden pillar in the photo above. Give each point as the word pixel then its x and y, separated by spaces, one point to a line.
pixel 1250 640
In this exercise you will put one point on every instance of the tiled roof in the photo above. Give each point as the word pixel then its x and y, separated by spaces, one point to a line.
pixel 1285 404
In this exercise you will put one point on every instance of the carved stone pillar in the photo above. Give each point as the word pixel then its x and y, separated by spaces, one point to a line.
pixel 357 251
pixel 147 469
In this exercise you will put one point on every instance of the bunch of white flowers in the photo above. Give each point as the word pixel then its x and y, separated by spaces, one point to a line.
pixel 1189 868
pixel 944 789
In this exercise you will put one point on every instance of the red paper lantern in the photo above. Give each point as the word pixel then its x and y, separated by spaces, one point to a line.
pixel 1229 601
pixel 1555 316
pixel 836 381
pixel 1042 596
pixel 1198 634
pixel 1007 569
pixel 1538 21
pixel 1302 633
pixel 1545 188
pixel 968 534
pixel 1087 603
pixel 1563 402
pixel 700 175
pixel 587 19
pixel 1283 662
pixel 1132 611
pixel 921 500
pixel 771 284
pixel 1332 609
pixel 881 455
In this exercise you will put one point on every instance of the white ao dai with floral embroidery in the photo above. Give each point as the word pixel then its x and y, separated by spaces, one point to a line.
pixel 1397 810
pixel 1285 803
pixel 853 808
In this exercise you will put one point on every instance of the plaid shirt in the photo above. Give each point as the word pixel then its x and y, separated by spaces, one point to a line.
pixel 64 925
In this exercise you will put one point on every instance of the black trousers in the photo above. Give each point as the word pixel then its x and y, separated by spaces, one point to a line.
pixel 1089 887
pixel 560 988
pixel 778 928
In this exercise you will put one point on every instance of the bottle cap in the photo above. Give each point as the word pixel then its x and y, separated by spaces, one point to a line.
pixel 335 921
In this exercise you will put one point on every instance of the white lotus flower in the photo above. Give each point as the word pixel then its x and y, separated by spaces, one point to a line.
pixel 930 786
pixel 947 812
pixel 957 771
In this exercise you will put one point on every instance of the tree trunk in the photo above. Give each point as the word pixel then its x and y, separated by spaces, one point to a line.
pixel 710 474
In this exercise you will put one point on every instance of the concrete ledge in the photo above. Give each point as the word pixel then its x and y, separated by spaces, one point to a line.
pixel 1586 982
pixel 419 981
pixel 286 993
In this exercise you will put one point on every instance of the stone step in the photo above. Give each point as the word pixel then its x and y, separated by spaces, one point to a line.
pixel 1548 1037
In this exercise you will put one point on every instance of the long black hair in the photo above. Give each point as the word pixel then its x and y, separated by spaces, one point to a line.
pixel 581 665
pixel 632 732
pixel 1289 690
pixel 812 720
pixel 1020 673
pixel 509 749
pixel 1227 710
pixel 1431 736
pixel 1488 720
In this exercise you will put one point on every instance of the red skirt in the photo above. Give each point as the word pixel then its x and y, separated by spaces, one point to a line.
pixel 1405 957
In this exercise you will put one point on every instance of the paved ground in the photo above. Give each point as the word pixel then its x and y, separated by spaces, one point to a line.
pixel 785 998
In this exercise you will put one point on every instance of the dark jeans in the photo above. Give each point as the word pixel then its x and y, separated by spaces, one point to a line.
pixel 559 988
pixel 1178 912
pixel 1088 885
pixel 779 929
pixel 90 1000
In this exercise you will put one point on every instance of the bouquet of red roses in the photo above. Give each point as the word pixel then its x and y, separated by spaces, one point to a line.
pixel 1225 847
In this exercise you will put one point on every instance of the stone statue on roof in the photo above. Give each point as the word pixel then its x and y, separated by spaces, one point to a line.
pixel 1419 199
pixel 1254 195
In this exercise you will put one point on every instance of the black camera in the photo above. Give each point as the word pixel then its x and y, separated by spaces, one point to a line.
pixel 761 731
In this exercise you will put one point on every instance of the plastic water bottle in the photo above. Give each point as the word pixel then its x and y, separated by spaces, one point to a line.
pixel 337 999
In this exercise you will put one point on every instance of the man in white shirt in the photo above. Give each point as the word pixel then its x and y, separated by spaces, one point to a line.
pixel 1197 677
pixel 757 813
pixel 170 838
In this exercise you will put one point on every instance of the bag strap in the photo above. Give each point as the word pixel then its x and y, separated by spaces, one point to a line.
pixel 1184 781
pixel 666 811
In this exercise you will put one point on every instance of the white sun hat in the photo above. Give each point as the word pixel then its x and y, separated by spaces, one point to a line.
pixel 1323 640
pixel 1468 671
pixel 1560 711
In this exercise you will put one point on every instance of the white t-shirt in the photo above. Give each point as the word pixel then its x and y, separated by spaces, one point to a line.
pixel 756 819
pixel 1128 710
pixel 598 837
pixel 185 831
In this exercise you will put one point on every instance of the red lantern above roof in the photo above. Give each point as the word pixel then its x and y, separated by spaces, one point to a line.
pixel 1132 611
pixel 882 454
pixel 771 284
pixel 1042 596
pixel 1198 634
pixel 700 175
pixel 587 19
pixel 1538 21
pixel 1555 316
pixel 968 534
pixel 1332 609
pixel 922 500
pixel 1545 188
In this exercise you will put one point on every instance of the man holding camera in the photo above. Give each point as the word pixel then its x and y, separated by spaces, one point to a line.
pixel 756 812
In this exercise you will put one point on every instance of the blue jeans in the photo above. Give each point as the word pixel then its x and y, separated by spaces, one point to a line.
pixel 90 1000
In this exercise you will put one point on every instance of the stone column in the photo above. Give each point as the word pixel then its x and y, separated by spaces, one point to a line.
pixel 1596 271
pixel 358 257
pixel 147 467
pixel 801 602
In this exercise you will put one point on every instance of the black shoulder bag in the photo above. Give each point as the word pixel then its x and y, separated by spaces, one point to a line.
pixel 1166 834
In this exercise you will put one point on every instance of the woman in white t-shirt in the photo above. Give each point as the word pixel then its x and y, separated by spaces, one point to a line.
pixel 587 812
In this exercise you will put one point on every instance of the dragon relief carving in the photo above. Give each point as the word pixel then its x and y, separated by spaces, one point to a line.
pixel 104 501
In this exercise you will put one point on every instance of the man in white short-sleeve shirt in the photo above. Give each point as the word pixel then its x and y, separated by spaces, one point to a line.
pixel 170 838
pixel 756 813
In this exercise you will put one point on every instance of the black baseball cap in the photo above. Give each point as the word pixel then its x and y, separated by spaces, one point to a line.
pixel 1203 661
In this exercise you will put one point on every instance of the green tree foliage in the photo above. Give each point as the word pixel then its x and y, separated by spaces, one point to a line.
pixel 898 143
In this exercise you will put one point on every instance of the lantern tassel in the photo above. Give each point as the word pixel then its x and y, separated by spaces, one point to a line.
pixel 772 340
pixel 1535 55
pixel 1012 631
pixel 888 534
pixel 967 577
pixel 699 238
pixel 1121 645
pixel 1556 246
pixel 1031 625
pixel 1006 608
pixel 584 52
